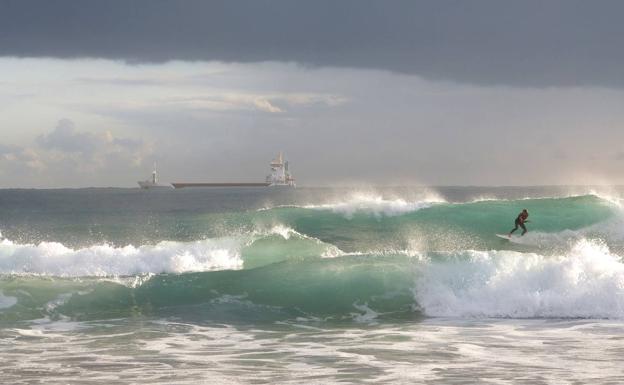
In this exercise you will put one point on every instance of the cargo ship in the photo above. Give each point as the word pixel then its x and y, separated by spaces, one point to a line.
pixel 280 176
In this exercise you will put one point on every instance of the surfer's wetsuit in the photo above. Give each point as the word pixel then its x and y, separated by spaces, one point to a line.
pixel 522 217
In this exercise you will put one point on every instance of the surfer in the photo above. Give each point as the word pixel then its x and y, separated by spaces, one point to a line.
pixel 520 221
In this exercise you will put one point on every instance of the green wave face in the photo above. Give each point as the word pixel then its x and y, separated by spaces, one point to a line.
pixel 351 225
pixel 440 226
pixel 337 288
pixel 275 248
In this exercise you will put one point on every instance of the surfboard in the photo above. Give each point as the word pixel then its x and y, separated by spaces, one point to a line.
pixel 511 239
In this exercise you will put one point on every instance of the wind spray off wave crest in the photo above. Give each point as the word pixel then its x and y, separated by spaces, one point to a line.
pixel 376 205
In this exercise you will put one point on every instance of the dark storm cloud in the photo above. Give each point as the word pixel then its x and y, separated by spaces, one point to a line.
pixel 543 43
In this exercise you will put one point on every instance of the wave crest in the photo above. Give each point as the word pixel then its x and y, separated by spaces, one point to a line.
pixel 376 205
pixel 247 250
pixel 53 258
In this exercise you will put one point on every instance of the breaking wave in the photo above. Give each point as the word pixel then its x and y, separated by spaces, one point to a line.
pixel 105 260
pixel 586 282
pixel 368 259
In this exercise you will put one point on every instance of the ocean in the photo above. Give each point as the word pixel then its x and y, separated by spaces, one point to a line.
pixel 311 286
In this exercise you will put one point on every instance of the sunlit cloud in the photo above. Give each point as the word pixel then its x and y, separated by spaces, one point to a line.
pixel 66 153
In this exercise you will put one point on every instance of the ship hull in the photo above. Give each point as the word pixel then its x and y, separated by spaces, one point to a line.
pixel 233 184
pixel 279 177
pixel 150 186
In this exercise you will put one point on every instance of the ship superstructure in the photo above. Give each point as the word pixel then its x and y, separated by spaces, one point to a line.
pixel 152 183
pixel 280 174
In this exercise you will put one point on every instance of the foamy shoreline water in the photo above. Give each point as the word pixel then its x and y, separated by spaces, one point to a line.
pixel 438 350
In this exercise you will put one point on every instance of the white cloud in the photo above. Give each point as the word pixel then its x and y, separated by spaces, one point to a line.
pixel 221 121
pixel 22 159
pixel 234 102
pixel 265 105
pixel 65 138
pixel 71 156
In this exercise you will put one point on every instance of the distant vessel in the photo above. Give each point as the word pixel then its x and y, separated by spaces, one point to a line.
pixel 153 183
pixel 279 176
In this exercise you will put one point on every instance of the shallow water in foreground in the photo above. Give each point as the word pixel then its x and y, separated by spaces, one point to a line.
pixel 431 350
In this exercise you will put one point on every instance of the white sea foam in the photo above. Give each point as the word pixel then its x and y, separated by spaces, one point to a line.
pixel 587 282
pixel 366 315
pixel 376 205
pixel 284 231
pixel 53 258
pixel 104 260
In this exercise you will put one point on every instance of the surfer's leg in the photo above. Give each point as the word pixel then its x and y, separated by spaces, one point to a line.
pixel 514 229
pixel 524 230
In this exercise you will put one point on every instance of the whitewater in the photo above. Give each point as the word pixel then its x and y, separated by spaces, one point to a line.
pixel 311 285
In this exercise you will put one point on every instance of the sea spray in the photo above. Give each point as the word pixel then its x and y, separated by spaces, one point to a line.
pixel 376 205
pixel 586 282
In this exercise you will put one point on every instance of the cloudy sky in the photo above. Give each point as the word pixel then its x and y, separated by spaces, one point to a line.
pixel 438 92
